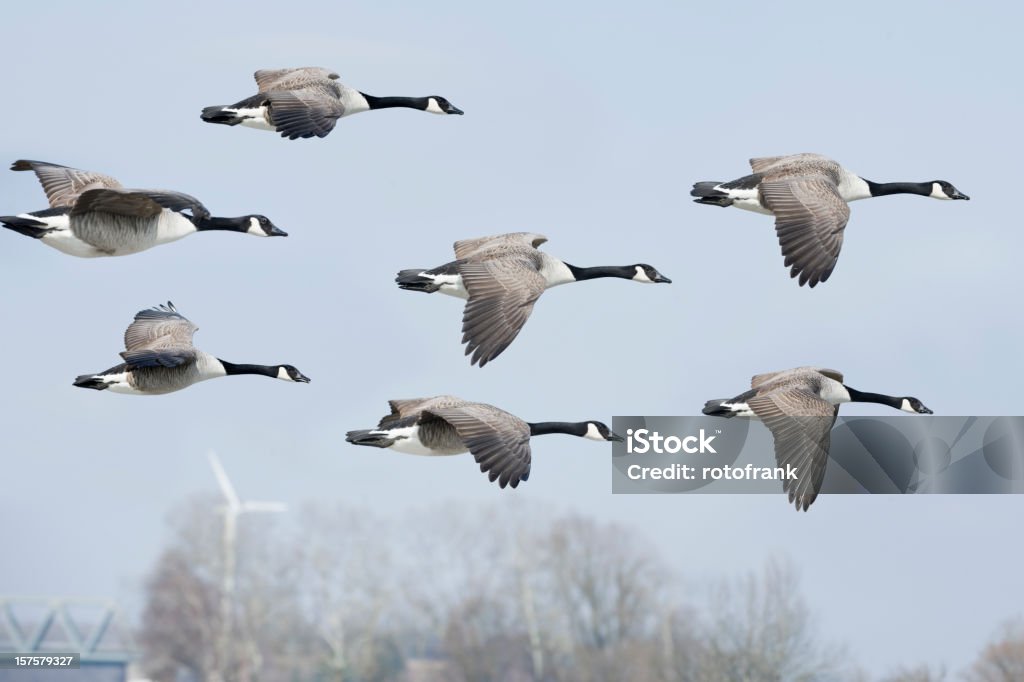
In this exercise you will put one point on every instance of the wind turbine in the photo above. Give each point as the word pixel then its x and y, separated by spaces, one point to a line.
pixel 232 508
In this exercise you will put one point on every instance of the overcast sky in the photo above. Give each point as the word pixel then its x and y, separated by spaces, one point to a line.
pixel 587 123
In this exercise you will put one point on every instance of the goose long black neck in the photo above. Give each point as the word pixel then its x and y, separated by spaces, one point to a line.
pixel 231 369
pixel 231 224
pixel 570 428
pixel 880 398
pixel 881 189
pixel 621 271
pixel 389 102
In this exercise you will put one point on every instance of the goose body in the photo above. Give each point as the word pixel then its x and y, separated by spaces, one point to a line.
pixel 799 407
pixel 92 215
pixel 501 277
pixel 446 425
pixel 308 101
pixel 809 195
pixel 159 358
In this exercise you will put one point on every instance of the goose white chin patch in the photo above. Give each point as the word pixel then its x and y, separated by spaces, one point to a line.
pixel 593 433
pixel 937 192
pixel 907 407
pixel 641 276
pixel 283 375
pixel 433 107
pixel 255 229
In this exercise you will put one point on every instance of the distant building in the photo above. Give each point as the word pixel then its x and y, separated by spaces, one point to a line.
pixel 426 670
pixel 52 626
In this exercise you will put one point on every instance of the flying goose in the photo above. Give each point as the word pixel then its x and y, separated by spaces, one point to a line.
pixel 808 194
pixel 446 425
pixel 159 358
pixel 502 276
pixel 799 406
pixel 92 215
pixel 308 101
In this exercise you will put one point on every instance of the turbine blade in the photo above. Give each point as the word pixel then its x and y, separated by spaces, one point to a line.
pixel 223 481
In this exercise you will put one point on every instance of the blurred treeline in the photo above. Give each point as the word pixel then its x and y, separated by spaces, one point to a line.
pixel 481 594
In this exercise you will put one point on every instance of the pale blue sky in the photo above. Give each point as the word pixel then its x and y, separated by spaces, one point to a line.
pixel 585 122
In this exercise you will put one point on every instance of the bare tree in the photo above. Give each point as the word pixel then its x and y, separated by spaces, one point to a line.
pixel 487 594
pixel 1003 659
pixel 182 615
pixel 349 585
pixel 601 589
pixel 484 641
pixel 921 673
pixel 760 629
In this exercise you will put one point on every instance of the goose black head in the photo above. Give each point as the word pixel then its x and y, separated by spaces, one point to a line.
pixel 289 373
pixel 439 105
pixel 913 406
pixel 261 226
pixel 648 274
pixel 598 431
pixel 945 190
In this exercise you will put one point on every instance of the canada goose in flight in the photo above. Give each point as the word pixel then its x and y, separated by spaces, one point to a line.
pixel 446 425
pixel 799 406
pixel 92 215
pixel 159 358
pixel 502 276
pixel 808 195
pixel 308 101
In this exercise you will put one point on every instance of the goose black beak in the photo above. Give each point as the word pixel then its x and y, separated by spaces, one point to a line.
pixel 301 378
pixel 661 279
pixel 454 110
pixel 924 410
pixel 276 231
pixel 614 437
pixel 960 195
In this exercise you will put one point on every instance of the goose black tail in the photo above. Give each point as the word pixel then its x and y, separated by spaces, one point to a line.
pixel 707 194
pixel 413 280
pixel 26 226
pixel 218 115
pixel 370 438
pixel 713 408
pixel 91 381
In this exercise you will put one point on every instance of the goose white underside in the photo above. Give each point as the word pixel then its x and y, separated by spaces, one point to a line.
pixel 208 366
pixel 739 409
pixel 171 226
pixel 746 199
pixel 834 392
pixel 853 187
pixel 62 239
pixel 451 285
pixel 554 271
pixel 118 383
pixel 407 440
pixel 255 117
